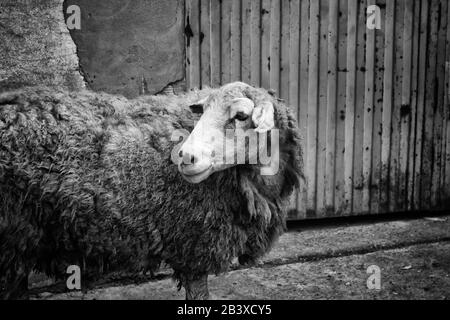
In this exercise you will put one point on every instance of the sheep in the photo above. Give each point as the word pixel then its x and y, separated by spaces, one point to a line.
pixel 102 182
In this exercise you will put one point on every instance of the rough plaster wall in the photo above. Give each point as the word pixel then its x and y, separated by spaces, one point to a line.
pixel 130 47
pixel 35 45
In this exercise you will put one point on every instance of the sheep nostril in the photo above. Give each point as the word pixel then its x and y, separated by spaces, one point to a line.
pixel 188 159
pixel 180 153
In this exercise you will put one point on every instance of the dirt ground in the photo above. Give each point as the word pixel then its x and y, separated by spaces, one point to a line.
pixel 412 256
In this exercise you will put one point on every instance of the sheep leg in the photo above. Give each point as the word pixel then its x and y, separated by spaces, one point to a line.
pixel 249 260
pixel 197 289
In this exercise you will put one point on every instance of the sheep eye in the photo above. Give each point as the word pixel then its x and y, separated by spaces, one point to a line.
pixel 241 116
pixel 196 108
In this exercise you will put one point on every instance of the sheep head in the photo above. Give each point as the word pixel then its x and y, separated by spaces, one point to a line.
pixel 234 129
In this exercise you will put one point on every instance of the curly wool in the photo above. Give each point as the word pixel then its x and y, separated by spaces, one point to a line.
pixel 86 179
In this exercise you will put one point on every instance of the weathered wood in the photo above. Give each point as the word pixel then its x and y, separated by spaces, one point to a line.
pixel 394 174
pixel 368 117
pixel 225 42
pixel 235 40
pixel 446 129
pixel 414 100
pixel 372 105
pixel 255 43
pixel 322 111
pixel 330 155
pixel 313 103
pixel 246 41
pixel 405 108
pixel 340 108
pixel 378 113
pixel 265 43
pixel 193 59
pixel 215 42
pixel 439 109
pixel 303 92
pixel 274 55
pixel 420 112
pixel 430 105
pixel 350 104
pixel 290 65
pixel 285 54
pixel 205 43
pixel 387 105
pixel 359 109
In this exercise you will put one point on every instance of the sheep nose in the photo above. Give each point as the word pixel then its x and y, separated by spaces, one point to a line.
pixel 188 159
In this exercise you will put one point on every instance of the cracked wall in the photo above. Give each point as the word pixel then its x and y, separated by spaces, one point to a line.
pixel 130 47
pixel 35 46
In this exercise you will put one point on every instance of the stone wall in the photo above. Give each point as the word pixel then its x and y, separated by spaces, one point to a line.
pixel 128 47
pixel 35 46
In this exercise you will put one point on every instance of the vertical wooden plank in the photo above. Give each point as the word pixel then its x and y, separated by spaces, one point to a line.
pixel 397 101
pixel 246 41
pixel 225 42
pixel 350 104
pixel 322 111
pixel 313 103
pixel 443 202
pixel 235 39
pixel 265 43
pixel 255 43
pixel 193 43
pixel 359 111
pixel 274 58
pixel 341 100
pixel 446 129
pixel 420 121
pixel 187 20
pixel 284 53
pixel 377 113
pixel 439 109
pixel 368 117
pixel 430 105
pixel 290 65
pixel 414 96
pixel 445 193
pixel 387 105
pixel 215 35
pixel 405 108
pixel 303 93
pixel 330 132
pixel 293 68
pixel 205 43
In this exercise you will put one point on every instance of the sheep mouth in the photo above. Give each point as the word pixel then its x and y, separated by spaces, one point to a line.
pixel 196 177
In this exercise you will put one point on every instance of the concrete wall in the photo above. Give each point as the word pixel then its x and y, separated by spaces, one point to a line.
pixel 130 47
pixel 35 45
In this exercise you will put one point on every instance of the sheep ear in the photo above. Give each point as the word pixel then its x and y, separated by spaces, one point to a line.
pixel 198 106
pixel 263 117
